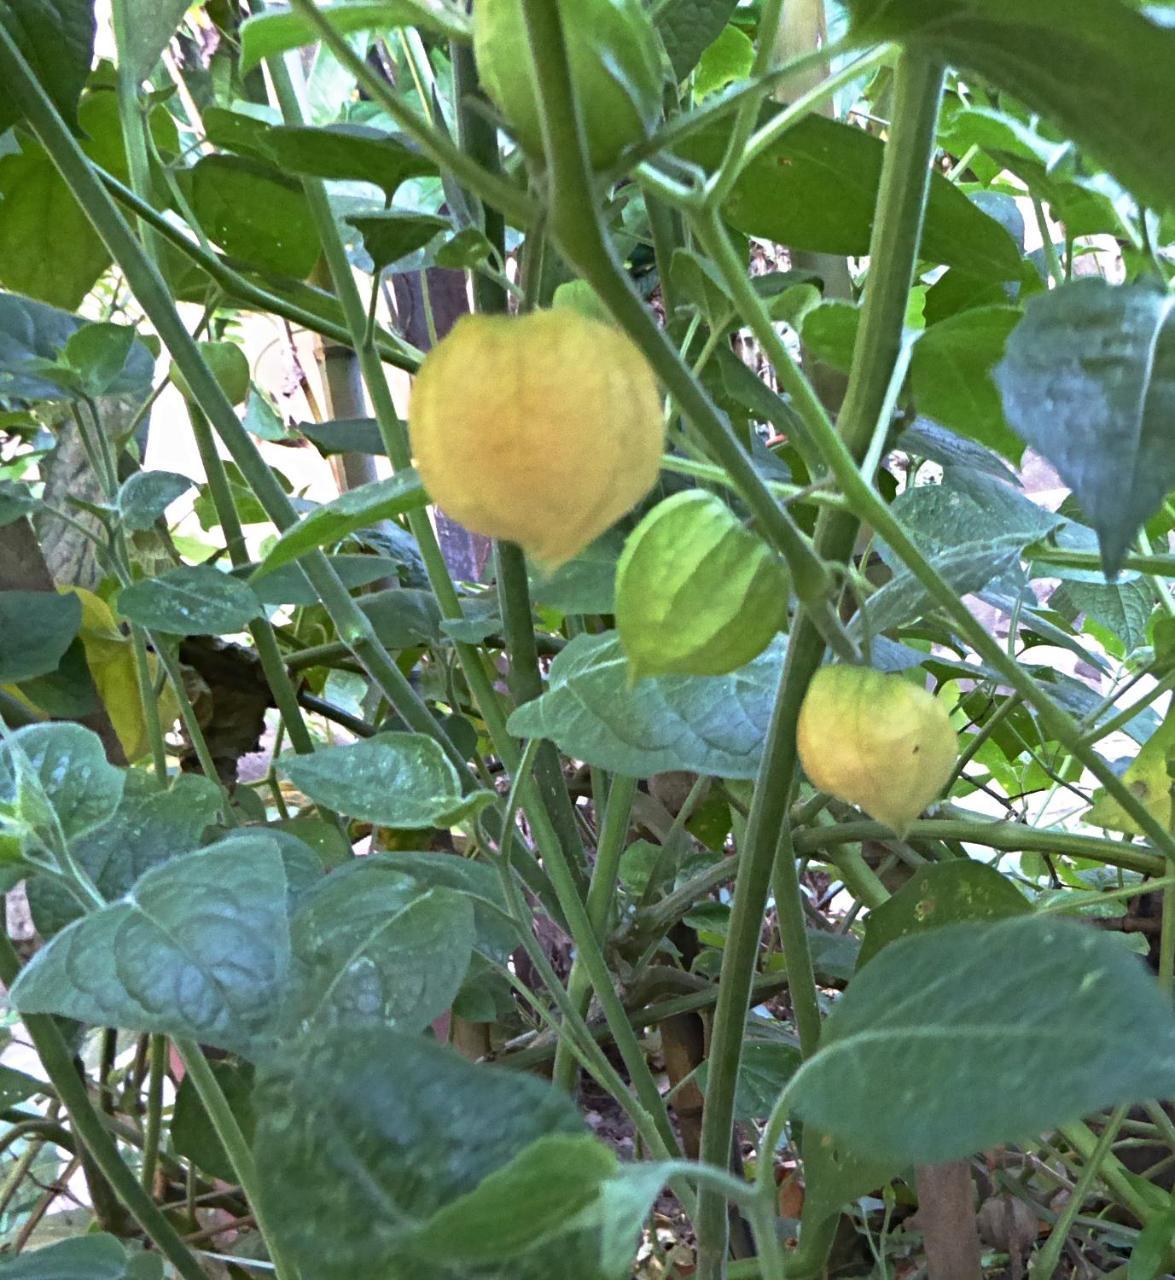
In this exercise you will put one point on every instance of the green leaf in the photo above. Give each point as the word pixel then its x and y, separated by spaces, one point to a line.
pixel 200 949
pixel 1121 608
pixel 97 354
pixel 289 585
pixel 149 25
pixel 696 593
pixel 48 249
pixel 403 617
pixel 361 1139
pixel 816 188
pixel 940 894
pixel 56 38
pixel 346 153
pixel 145 496
pixel 151 826
pixel 703 724
pixel 729 59
pixel 764 1069
pixel 554 1178
pixel 360 961
pixel 193 600
pixel 586 583
pixel 98 1257
pixel 353 510
pixel 1148 779
pixel 688 27
pixel 32 333
pixel 36 628
pixel 967 1055
pixel 401 780
pixel 58 774
pixel 1089 382
pixel 393 235
pixel 344 435
pixel 16 501
pixel 192 1133
pixel 270 34
pixel 256 213
pixel 951 376
pixel 1099 70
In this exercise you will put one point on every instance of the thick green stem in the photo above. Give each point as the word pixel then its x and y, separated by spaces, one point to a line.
pixel 87 1124
pixel 153 1128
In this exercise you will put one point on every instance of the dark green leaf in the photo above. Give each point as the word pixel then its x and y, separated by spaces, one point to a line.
pixel 36 628
pixel 1089 382
pixel 356 509
pixel 965 1052
pixel 98 1257
pixel 939 894
pixel 1122 608
pixel 193 600
pixel 705 724
pixel 192 1133
pixel 765 1068
pixel 344 435
pixel 145 496
pixel 58 774
pixel 926 439
pixel 98 354
pixel 403 617
pixel 256 213
pixel 362 1138
pixel 56 38
pixel 289 585
pixel 951 376
pixel 15 500
pixel 689 27
pixel 401 780
pixel 586 583
pixel 347 152
pixel 270 34
pixel 360 961
pixel 200 950
pixel 149 25
pixel 816 187
pixel 1099 69
pixel 390 236
pixel 16 1086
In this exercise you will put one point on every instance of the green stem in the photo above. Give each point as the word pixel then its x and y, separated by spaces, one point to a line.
pixel 601 891
pixel 153 1127
pixel 87 1124
pixel 236 1147
pixel 1115 1176
pixel 150 703
pixel 793 935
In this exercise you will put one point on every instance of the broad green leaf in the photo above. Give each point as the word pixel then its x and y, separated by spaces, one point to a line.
pixel 403 617
pixel 193 600
pixel 192 1132
pixel 688 27
pixel 835 1174
pixel 939 894
pixel 704 724
pixel 926 439
pixel 619 1213
pixel 816 187
pixel 150 826
pixel 393 235
pixel 965 1052
pixel 57 776
pixel 401 780
pixel 344 435
pixel 36 628
pixel 98 1257
pixel 586 583
pixel 145 496
pixel 48 249
pixel 1148 779
pixel 227 363
pixel 346 153
pixel 764 1068
pixel 361 1139
pixel 56 39
pixel 1088 381
pixel 520 1205
pixel 729 59
pixel 15 500
pixel 199 949
pixel 149 26
pixel 289 585
pixel 98 354
pixel 696 593
pixel 1099 70
pixel 829 331
pixel 270 34
pixel 16 1086
pixel 951 376
pixel 256 213
pixel 1121 608
pixel 355 962
pixel 356 509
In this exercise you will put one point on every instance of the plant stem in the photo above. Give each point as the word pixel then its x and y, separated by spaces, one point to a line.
pixel 87 1124
pixel 153 1128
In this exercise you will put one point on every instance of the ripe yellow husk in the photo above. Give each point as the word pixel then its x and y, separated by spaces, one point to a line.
pixel 542 429
pixel 876 741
